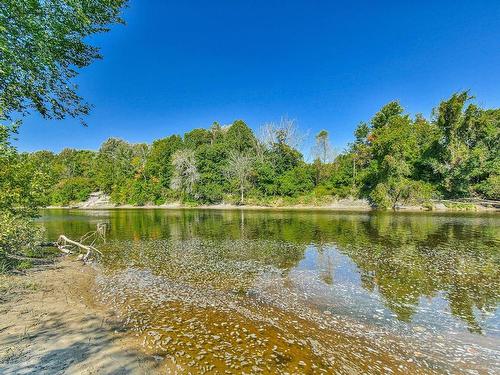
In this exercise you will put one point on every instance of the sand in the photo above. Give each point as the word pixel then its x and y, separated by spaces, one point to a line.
pixel 49 325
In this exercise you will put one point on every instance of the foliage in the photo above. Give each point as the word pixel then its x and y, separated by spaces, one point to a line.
pixel 42 45
pixel 21 192
pixel 296 181
pixel 159 161
pixel 394 160
pixel 239 169
pixel 73 189
pixel 18 235
pixel 323 149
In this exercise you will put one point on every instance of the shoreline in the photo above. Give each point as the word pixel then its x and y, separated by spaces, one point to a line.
pixel 440 207
pixel 57 326
pixel 50 323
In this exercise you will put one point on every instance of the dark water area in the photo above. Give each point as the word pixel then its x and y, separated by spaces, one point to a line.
pixel 211 291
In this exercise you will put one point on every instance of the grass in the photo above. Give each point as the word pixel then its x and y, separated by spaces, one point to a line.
pixel 460 206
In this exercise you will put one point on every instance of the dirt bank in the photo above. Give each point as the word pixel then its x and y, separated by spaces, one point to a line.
pixel 49 325
pixel 99 200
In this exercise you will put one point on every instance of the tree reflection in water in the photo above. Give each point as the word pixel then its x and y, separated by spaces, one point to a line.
pixel 402 257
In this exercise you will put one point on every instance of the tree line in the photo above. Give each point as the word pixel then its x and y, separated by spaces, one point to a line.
pixel 394 159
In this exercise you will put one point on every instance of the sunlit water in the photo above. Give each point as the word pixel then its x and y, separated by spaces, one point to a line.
pixel 302 292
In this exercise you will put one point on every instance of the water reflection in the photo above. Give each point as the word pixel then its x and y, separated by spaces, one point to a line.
pixel 432 273
pixel 401 257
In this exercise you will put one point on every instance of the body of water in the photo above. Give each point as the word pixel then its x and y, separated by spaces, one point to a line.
pixel 292 292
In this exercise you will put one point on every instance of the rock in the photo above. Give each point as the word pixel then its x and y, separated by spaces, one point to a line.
pixel 439 207
pixel 97 199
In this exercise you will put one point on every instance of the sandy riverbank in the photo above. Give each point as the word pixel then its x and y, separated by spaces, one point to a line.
pixel 49 324
pixel 340 205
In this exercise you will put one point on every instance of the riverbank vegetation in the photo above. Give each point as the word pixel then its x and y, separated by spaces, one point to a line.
pixel 43 45
pixel 395 159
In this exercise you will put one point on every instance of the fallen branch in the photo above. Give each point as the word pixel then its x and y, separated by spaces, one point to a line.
pixel 65 244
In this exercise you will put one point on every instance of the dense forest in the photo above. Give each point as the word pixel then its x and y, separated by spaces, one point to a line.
pixel 394 159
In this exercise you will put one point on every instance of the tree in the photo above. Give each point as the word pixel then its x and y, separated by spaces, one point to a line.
pixel 323 149
pixel 73 189
pixel 113 164
pixel 286 132
pixel 284 157
pixel 361 133
pixel 197 137
pixel 216 132
pixel 159 161
pixel 240 137
pixel 394 149
pixel 21 193
pixel 185 172
pixel 296 181
pixel 323 155
pixel 75 162
pixel 43 44
pixel 211 162
pixel 465 155
pixel 388 111
pixel 240 169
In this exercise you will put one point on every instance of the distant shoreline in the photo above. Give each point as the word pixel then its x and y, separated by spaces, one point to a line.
pixel 341 206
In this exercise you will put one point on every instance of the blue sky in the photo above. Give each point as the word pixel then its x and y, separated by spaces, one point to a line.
pixel 178 65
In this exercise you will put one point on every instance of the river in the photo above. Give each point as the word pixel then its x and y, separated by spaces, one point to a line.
pixel 213 291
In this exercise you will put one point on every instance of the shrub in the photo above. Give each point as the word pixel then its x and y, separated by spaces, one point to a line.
pixel 490 188
pixel 18 236
pixel 73 189
pixel 296 181
pixel 394 192
pixel 209 193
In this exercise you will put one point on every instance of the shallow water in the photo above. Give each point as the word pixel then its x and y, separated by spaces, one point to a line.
pixel 302 292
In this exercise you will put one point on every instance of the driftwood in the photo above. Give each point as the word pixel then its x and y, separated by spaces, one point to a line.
pixel 67 245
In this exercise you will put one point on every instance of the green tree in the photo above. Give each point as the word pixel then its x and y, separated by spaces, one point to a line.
pixel 159 162
pixel 394 148
pixel 43 44
pixel 296 181
pixel 113 164
pixel 73 189
pixel 211 162
pixel 197 137
pixel 466 153
pixel 240 137
pixel 384 116
pixel 21 193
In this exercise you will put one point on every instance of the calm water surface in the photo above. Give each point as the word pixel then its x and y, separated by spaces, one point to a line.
pixel 301 292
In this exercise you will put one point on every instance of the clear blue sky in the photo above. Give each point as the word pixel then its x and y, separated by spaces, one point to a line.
pixel 178 65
